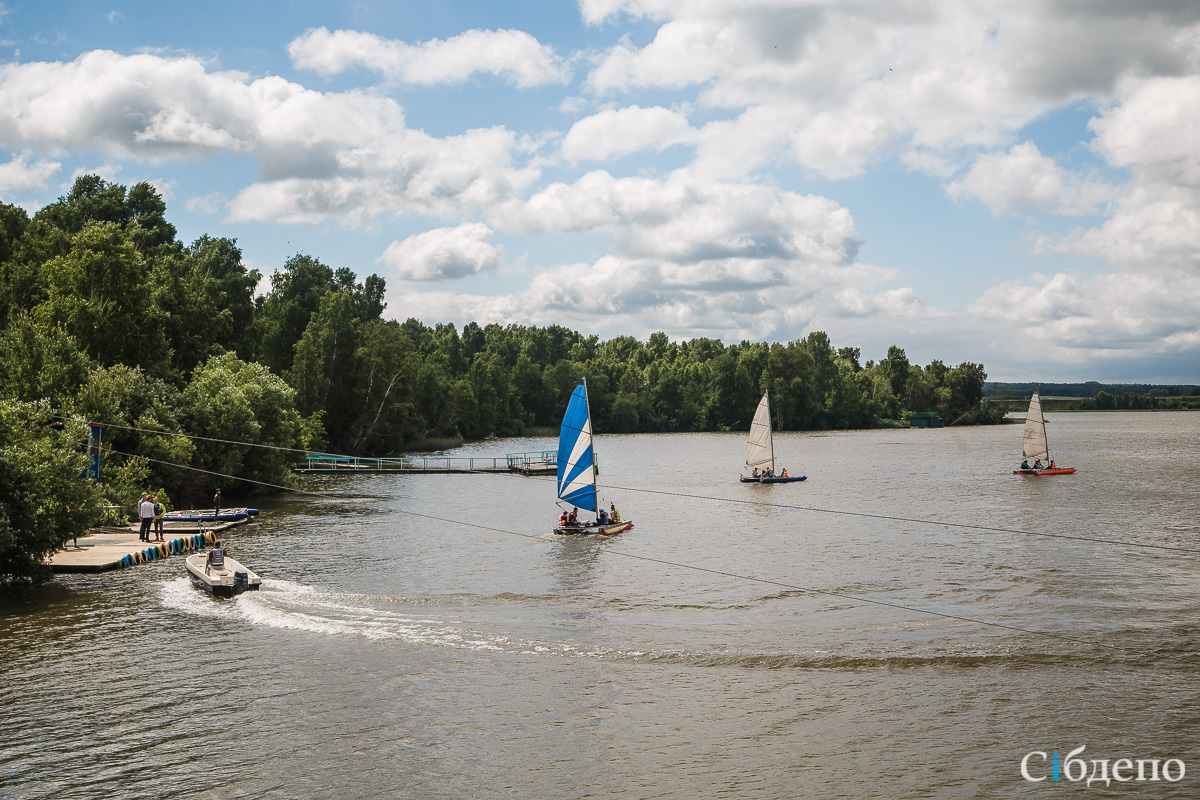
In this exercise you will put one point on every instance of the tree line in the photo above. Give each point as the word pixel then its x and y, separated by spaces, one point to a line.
pixel 107 317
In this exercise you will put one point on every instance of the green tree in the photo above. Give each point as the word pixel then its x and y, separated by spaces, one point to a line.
pixel 43 500
pixel 99 294
pixel 207 297
pixel 230 400
pixel 39 363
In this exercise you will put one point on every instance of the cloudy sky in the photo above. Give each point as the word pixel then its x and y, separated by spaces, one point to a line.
pixel 1013 182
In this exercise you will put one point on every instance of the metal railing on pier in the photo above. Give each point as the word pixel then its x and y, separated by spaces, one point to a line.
pixel 526 463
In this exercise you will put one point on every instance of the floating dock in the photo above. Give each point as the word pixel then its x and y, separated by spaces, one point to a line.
pixel 116 547
pixel 540 463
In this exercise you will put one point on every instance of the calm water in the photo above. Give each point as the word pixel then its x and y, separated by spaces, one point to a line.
pixel 434 640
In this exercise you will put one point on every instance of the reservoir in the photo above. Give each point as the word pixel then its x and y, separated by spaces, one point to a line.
pixel 911 621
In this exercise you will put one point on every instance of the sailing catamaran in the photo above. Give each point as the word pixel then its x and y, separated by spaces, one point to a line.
pixel 577 471
pixel 760 450
pixel 1036 448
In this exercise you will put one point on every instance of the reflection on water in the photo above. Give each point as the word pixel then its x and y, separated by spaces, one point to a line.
pixel 428 636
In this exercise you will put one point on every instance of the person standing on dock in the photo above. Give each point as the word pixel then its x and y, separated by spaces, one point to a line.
pixel 146 515
pixel 159 511
pixel 216 505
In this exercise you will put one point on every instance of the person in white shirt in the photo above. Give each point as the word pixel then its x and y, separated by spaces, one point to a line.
pixel 146 515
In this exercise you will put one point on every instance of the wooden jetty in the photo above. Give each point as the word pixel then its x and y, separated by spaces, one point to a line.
pixel 119 546
pixel 539 463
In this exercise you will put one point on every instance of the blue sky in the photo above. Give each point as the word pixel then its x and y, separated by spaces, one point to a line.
pixel 1012 183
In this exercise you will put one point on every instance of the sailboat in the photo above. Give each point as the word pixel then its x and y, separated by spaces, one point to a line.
pixel 577 471
pixel 1036 447
pixel 760 450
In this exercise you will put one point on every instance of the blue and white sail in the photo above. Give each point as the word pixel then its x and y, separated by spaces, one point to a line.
pixel 576 461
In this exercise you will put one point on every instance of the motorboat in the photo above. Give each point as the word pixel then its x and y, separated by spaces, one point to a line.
pixel 230 579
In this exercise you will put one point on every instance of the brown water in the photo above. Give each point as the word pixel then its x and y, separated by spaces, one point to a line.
pixel 394 655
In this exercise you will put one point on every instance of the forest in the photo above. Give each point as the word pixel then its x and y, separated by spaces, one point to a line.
pixel 106 317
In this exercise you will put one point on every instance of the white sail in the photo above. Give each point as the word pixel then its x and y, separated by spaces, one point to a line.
pixel 1035 445
pixel 760 451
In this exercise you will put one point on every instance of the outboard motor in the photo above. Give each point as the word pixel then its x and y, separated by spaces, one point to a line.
pixel 241 581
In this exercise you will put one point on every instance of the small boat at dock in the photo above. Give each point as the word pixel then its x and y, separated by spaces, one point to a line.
pixel 210 515
pixel 226 581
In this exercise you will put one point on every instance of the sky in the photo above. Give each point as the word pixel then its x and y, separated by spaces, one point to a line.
pixel 1014 183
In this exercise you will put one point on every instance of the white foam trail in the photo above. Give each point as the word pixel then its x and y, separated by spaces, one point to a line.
pixel 296 606
pixel 179 594
pixel 285 604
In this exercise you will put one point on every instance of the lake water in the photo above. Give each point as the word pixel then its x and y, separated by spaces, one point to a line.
pixel 427 636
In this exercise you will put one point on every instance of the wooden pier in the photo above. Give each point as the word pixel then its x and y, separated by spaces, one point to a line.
pixel 115 547
pixel 539 463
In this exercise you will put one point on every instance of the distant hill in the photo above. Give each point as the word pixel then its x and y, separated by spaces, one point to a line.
pixel 1022 391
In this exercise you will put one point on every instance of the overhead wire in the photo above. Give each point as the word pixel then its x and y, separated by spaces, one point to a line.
pixel 790 506
pixel 1076 640
pixel 725 573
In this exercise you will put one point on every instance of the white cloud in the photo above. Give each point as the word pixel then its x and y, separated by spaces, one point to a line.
pixel 1122 312
pixel 1151 132
pixel 445 253
pixel 856 83
pixel 1150 229
pixel 512 54
pixel 25 172
pixel 687 220
pixel 140 105
pixel 1024 178
pixel 211 203
pixel 341 155
pixel 691 255
pixel 617 132
pixel 402 171
pixel 1154 129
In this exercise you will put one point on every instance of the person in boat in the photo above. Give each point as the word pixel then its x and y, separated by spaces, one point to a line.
pixel 1037 464
pixel 573 518
pixel 562 520
pixel 216 558
pixel 783 473
pixel 754 474
pixel 602 517
pixel 1025 464
pixel 1052 465
pixel 613 514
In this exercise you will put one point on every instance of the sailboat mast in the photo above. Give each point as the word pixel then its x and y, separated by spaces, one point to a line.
pixel 587 401
pixel 770 430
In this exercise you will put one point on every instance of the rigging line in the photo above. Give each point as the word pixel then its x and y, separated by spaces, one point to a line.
pixel 751 578
pixel 204 438
pixel 796 587
pixel 869 515
pixel 251 480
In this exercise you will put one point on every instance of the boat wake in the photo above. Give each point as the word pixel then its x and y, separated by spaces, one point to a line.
pixel 295 606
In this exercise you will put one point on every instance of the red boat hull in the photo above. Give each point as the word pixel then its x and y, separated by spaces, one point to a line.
pixel 1064 471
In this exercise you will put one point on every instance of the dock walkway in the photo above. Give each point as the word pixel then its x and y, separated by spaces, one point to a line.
pixel 114 547
pixel 540 463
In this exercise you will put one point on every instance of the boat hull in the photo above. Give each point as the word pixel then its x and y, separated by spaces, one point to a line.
pixel 611 529
pixel 227 582
pixel 198 516
pixel 777 479
pixel 1065 471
